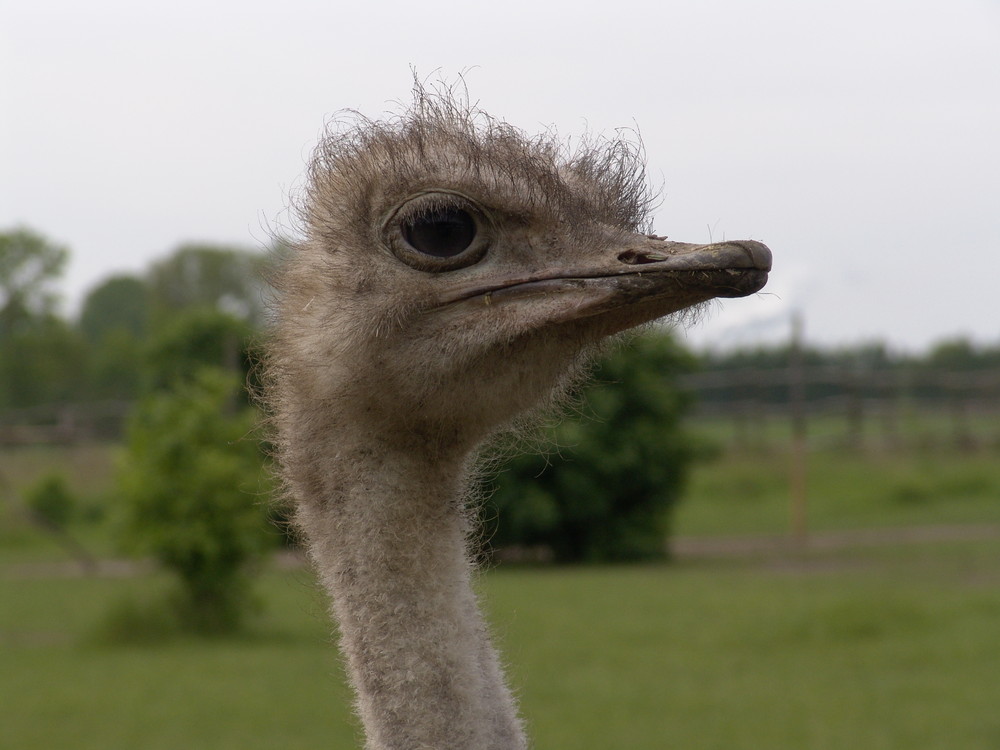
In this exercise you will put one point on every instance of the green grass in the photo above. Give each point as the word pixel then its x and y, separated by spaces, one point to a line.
pixel 90 465
pixel 908 430
pixel 749 494
pixel 747 491
pixel 736 492
pixel 875 647
pixel 886 648
pixel 64 685
pixel 89 471
pixel 891 651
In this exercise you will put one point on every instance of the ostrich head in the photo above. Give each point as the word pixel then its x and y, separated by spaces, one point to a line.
pixel 455 272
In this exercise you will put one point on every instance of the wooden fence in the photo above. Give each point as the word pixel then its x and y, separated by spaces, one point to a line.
pixel 857 408
pixel 861 409
pixel 64 423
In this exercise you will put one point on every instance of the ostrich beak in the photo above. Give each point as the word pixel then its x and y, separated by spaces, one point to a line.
pixel 657 266
pixel 743 264
pixel 633 283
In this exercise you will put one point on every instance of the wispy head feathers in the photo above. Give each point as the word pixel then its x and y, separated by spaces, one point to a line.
pixel 443 140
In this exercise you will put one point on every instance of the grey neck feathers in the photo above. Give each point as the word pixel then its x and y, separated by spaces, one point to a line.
pixel 389 535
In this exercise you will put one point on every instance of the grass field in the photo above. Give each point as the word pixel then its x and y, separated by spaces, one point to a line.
pixel 748 493
pixel 885 648
pixel 891 646
pixel 734 492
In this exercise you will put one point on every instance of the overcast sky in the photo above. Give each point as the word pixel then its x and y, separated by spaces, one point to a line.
pixel 859 139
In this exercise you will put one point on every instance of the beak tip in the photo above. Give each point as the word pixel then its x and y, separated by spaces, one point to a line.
pixel 760 254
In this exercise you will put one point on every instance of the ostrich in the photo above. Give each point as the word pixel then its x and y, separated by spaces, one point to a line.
pixel 454 275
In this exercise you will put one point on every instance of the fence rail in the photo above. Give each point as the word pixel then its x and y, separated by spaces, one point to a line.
pixel 882 403
pixel 893 407
pixel 63 423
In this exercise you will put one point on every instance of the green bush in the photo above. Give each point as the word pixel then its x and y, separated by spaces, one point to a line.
pixel 51 501
pixel 194 495
pixel 607 493
pixel 193 339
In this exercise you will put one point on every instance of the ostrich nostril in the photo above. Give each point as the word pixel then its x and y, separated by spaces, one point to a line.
pixel 638 257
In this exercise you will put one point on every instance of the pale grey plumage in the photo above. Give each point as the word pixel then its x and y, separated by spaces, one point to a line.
pixel 389 366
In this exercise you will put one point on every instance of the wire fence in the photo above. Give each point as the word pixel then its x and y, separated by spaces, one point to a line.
pixel 64 424
pixel 749 408
pixel 841 405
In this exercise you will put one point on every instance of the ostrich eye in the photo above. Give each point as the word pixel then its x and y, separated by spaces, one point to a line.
pixel 441 233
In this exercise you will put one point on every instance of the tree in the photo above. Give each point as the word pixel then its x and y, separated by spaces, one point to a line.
pixel 116 366
pixel 193 339
pixel 607 493
pixel 42 361
pixel 114 320
pixel 28 265
pixel 120 303
pixel 41 358
pixel 193 491
pixel 205 276
pixel 959 354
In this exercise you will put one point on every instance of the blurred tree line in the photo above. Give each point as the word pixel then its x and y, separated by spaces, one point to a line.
pixel 159 340
pixel 202 305
pixel 175 344
pixel 134 333
pixel 175 341
pixel 951 369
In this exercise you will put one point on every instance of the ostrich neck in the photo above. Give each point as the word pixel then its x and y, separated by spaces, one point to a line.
pixel 389 536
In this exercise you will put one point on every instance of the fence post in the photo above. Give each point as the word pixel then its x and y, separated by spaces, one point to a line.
pixel 797 402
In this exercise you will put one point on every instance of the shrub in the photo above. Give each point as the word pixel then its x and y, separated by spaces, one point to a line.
pixel 607 494
pixel 191 487
pixel 51 502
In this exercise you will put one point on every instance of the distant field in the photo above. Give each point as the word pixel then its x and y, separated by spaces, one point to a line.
pixel 738 488
pixel 88 469
pixel 903 430
pixel 882 649
pixel 748 493
pixel 878 648
pixel 90 466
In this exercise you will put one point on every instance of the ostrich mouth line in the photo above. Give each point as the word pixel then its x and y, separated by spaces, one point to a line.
pixel 706 283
